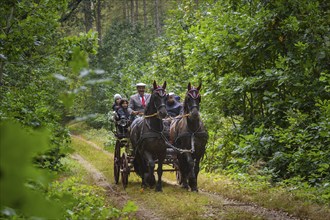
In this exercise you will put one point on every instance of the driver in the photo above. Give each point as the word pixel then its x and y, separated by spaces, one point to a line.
pixel 139 101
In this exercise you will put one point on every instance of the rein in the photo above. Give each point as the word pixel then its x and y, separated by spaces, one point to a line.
pixel 150 116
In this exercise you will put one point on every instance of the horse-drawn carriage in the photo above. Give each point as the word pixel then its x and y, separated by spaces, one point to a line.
pixel 153 138
pixel 124 157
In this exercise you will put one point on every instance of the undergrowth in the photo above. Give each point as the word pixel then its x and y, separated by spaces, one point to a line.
pixel 81 200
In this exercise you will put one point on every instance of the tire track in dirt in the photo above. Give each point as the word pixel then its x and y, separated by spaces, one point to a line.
pixel 122 197
pixel 117 196
pixel 248 207
pixel 251 208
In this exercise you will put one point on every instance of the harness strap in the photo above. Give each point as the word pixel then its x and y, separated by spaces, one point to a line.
pixel 148 135
pixel 181 151
pixel 197 134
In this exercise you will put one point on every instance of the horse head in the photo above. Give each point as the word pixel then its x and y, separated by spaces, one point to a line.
pixel 192 100
pixel 158 100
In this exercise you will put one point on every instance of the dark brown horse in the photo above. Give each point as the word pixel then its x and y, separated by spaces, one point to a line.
pixel 189 134
pixel 146 136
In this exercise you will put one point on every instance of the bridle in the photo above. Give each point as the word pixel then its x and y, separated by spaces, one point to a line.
pixel 161 93
pixel 194 94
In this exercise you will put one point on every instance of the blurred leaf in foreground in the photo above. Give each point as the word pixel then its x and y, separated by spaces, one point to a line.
pixel 17 149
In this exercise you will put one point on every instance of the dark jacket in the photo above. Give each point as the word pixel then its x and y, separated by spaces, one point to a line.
pixel 123 113
pixel 115 107
pixel 174 109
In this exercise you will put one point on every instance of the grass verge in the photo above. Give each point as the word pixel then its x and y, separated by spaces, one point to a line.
pixel 245 188
pixel 81 198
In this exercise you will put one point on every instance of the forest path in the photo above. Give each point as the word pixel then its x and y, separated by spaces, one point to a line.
pixel 174 202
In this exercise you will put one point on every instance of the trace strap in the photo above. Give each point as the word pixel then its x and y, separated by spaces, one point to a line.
pixel 181 151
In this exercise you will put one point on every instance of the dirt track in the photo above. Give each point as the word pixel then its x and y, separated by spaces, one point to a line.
pixel 217 203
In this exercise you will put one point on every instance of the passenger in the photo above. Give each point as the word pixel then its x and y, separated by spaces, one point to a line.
pixel 123 109
pixel 173 107
pixel 177 98
pixel 117 98
pixel 139 101
pixel 123 119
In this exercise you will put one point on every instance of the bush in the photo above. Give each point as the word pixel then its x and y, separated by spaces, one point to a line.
pixel 98 122
pixel 86 202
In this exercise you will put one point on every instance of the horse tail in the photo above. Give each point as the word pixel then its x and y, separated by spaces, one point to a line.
pixel 139 164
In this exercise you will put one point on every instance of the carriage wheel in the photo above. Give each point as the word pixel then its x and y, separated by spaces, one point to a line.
pixel 125 170
pixel 178 177
pixel 116 162
pixel 177 172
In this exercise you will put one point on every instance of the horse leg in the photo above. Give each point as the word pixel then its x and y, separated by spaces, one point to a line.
pixel 192 176
pixel 144 184
pixel 184 171
pixel 159 174
pixel 193 180
pixel 150 178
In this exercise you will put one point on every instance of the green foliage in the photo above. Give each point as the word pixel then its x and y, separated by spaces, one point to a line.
pixel 264 67
pixel 18 146
pixel 123 55
pixel 85 201
pixel 29 61
pixel 99 121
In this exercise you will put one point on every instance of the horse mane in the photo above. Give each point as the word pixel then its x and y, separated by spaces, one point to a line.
pixel 185 104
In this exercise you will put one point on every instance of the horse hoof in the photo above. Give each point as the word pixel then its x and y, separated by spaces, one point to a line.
pixel 185 187
pixel 159 189
pixel 194 190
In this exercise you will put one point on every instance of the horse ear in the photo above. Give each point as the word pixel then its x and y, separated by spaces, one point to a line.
pixel 155 84
pixel 164 85
pixel 189 86
pixel 199 87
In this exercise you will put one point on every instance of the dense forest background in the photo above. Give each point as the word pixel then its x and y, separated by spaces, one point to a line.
pixel 264 66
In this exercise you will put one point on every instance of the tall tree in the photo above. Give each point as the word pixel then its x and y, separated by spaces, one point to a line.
pixel 88 15
pixel 99 20
pixel 136 11
pixel 144 13
pixel 157 14
pixel 132 13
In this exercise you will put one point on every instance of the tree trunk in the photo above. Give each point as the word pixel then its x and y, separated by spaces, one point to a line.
pixel 136 11
pixel 145 13
pixel 88 15
pixel 157 23
pixel 128 11
pixel 98 22
pixel 1 71
pixel 132 13
pixel 7 30
pixel 124 10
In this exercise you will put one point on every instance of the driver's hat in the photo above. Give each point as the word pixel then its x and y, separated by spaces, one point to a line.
pixel 140 85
